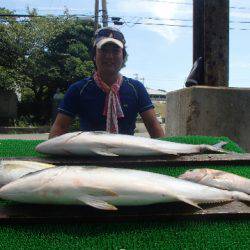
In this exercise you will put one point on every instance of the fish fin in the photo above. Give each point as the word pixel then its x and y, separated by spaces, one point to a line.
pixel 167 152
pixel 104 152
pixel 190 202
pixel 182 198
pixel 97 203
pixel 66 151
pixel 96 191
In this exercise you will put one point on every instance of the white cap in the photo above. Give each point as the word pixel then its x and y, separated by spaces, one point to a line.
pixel 105 40
pixel 108 35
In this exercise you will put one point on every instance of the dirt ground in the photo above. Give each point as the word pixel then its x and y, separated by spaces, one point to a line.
pixel 140 131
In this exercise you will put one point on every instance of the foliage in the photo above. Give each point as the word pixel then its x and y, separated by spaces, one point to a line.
pixel 24 122
pixel 40 54
pixel 75 125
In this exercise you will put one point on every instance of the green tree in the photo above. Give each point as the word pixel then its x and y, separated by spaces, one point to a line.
pixel 40 54
pixel 11 77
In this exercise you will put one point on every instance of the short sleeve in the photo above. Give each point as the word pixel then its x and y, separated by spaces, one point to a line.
pixel 70 103
pixel 144 100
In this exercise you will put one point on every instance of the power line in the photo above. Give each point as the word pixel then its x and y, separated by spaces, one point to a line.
pixel 19 15
pixel 158 18
pixel 133 23
pixel 137 17
pixel 177 25
pixel 161 24
pixel 44 16
pixel 165 1
pixel 240 8
pixel 190 4
pixel 175 19
pixel 56 9
pixel 174 25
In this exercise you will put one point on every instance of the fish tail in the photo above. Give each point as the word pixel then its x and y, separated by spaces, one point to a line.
pixel 220 144
pixel 218 147
pixel 240 196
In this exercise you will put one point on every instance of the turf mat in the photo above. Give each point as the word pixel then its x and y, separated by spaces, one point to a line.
pixel 223 233
pixel 199 234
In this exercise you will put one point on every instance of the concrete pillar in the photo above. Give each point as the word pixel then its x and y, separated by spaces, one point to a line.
pixel 211 111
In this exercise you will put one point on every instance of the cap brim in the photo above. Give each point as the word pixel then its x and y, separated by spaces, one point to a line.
pixel 109 40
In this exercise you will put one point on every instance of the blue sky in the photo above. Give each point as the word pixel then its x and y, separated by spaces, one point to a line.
pixel 160 55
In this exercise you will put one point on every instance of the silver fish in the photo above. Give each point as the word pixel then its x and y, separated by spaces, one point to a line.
pixel 106 188
pixel 103 143
pixel 11 170
pixel 218 179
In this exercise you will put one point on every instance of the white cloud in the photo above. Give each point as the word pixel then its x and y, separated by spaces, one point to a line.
pixel 240 14
pixel 240 65
pixel 128 72
pixel 161 10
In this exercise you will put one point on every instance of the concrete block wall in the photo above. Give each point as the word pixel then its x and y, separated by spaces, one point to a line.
pixel 8 104
pixel 212 111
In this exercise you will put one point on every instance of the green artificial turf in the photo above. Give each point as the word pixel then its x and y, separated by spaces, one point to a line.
pixel 223 233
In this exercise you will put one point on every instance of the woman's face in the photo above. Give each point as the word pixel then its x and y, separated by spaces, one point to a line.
pixel 109 59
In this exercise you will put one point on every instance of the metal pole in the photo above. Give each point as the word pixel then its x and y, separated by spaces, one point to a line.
pixel 96 14
pixel 104 13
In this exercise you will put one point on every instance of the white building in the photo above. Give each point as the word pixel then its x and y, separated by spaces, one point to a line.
pixel 157 94
pixel 158 97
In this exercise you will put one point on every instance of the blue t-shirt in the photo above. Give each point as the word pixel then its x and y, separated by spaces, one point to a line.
pixel 86 100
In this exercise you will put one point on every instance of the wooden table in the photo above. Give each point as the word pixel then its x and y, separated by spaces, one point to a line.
pixel 25 213
pixel 185 160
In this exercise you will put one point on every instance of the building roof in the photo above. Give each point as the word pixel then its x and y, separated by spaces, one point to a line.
pixel 156 92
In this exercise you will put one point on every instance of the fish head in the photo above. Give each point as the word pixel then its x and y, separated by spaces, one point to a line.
pixel 195 175
pixel 30 185
pixel 56 145
pixel 10 165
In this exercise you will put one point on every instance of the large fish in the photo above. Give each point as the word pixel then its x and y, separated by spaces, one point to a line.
pixel 106 188
pixel 11 170
pixel 218 179
pixel 103 143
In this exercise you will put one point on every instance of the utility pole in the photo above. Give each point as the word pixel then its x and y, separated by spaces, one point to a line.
pixel 96 15
pixel 104 13
pixel 211 40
